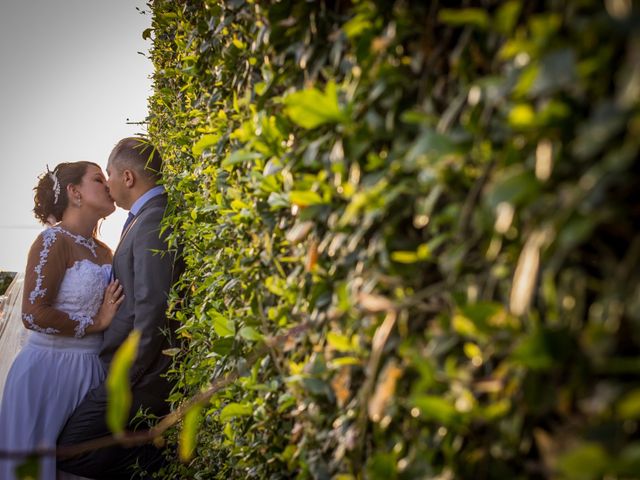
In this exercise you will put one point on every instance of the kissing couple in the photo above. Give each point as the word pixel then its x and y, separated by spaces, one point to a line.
pixel 80 302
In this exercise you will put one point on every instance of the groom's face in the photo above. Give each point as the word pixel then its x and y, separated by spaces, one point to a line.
pixel 117 188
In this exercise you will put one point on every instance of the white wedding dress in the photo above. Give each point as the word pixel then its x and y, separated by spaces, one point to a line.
pixel 52 373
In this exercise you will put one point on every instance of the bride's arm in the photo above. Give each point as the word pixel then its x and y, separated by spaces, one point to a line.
pixel 46 266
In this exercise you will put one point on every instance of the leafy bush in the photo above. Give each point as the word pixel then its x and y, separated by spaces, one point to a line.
pixel 443 193
pixel 5 280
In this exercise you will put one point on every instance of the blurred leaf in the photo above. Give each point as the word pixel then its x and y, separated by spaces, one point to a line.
pixel 356 26
pixel 29 469
pixel 339 342
pixel 522 116
pixel 225 327
pixel 557 70
pixel 507 15
pixel 312 108
pixel 382 466
pixel 540 349
pixel 239 156
pixel 250 333
pixel 606 121
pixel 431 146
pixel 435 408
pixel 629 406
pixel 476 17
pixel 575 231
pixel 587 461
pixel 628 463
pixel 118 387
pixel 206 141
pixel 514 187
pixel 401 256
pixel 233 410
pixel 189 433
pixel 304 198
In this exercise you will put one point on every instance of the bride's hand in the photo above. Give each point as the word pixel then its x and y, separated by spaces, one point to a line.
pixel 113 297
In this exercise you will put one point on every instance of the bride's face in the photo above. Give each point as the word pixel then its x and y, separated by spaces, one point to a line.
pixel 94 192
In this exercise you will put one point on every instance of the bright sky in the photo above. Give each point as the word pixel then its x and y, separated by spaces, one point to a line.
pixel 70 79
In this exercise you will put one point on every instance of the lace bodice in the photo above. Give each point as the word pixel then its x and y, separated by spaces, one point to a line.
pixel 81 291
pixel 64 283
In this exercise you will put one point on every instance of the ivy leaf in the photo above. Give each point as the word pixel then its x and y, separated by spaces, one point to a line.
pixel 464 16
pixel 304 198
pixel 233 410
pixel 588 460
pixel 118 388
pixel 250 333
pixel 629 406
pixel 341 343
pixel 205 142
pixel 222 325
pixel 239 156
pixel 382 466
pixel 522 116
pixel 311 108
pixel 507 15
pixel 356 26
pixel 435 408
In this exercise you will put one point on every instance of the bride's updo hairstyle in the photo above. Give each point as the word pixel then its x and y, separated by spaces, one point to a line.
pixel 50 199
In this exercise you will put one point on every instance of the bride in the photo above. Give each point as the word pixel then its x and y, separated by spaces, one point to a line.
pixel 67 302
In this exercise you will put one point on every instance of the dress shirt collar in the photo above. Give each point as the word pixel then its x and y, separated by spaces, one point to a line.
pixel 145 197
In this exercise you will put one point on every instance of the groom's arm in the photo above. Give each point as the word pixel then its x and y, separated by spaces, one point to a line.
pixel 153 274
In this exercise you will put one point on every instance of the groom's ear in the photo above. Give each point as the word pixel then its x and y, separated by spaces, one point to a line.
pixel 128 178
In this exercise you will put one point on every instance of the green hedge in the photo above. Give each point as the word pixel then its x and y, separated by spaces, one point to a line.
pixel 445 193
pixel 5 280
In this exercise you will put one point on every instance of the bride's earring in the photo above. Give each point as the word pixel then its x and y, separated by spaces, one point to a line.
pixel 78 202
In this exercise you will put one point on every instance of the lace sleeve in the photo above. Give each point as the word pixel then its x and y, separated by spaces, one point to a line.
pixel 46 266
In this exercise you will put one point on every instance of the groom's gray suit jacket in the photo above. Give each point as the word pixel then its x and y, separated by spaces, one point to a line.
pixel 146 271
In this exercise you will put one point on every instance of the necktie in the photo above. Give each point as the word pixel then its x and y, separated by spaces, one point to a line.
pixel 126 224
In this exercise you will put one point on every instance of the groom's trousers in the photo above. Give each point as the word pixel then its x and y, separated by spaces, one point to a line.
pixel 88 422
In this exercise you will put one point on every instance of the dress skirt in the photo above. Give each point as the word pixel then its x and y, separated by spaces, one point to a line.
pixel 48 379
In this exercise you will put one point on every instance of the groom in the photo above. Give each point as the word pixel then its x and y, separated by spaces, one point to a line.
pixel 146 270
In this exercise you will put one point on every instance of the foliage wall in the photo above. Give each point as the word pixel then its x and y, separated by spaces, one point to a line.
pixel 445 195
pixel 5 280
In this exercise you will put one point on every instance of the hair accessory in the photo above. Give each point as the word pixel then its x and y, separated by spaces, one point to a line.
pixel 56 185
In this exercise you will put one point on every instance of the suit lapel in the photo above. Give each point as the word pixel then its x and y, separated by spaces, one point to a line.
pixel 155 201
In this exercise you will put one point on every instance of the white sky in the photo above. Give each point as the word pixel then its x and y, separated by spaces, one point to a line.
pixel 70 77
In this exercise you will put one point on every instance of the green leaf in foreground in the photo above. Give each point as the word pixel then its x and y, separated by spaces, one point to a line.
pixel 29 469
pixel 188 434
pixel 118 388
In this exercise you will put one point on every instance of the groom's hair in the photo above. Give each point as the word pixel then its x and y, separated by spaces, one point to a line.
pixel 139 155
